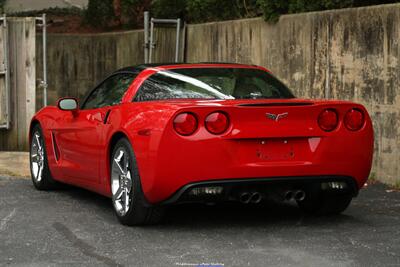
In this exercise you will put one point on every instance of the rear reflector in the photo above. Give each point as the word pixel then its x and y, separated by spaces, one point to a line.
pixel 185 123
pixel 333 185
pixel 328 120
pixel 354 120
pixel 217 122
pixel 212 190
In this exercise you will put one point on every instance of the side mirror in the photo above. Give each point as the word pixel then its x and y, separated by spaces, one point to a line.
pixel 68 104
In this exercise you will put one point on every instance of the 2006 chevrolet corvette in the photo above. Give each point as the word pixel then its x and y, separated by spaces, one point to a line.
pixel 153 135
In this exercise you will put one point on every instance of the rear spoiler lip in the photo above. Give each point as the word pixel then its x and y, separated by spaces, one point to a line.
pixel 275 104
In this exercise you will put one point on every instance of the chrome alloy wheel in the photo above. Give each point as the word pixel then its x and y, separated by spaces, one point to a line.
pixel 121 181
pixel 37 157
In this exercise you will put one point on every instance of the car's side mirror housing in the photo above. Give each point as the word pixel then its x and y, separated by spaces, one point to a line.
pixel 68 104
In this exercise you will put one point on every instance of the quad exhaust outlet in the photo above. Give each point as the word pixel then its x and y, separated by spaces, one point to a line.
pixel 254 197
pixel 298 195
pixel 257 197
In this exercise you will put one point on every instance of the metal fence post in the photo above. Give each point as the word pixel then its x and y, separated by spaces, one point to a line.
pixel 44 49
pixel 151 44
pixel 6 73
pixel 154 21
pixel 177 45
pixel 146 36
pixel 44 35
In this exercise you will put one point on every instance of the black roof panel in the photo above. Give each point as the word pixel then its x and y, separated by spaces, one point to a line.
pixel 139 68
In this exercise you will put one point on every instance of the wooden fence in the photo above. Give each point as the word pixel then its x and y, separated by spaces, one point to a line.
pixel 77 63
pixel 3 88
pixel 22 34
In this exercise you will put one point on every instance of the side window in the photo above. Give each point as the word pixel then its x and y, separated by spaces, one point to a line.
pixel 110 92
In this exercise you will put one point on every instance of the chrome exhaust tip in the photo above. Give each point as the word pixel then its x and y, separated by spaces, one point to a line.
pixel 245 197
pixel 256 198
pixel 299 195
pixel 288 195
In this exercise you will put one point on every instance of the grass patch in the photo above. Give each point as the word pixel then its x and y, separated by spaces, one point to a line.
pixel 6 173
pixel 372 179
pixel 396 186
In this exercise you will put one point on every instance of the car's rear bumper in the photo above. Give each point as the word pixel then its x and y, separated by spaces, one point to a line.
pixel 231 189
pixel 213 160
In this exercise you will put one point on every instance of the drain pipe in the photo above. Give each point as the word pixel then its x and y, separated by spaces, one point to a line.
pixel 44 40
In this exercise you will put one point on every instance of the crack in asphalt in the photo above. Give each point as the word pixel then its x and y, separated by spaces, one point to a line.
pixel 6 219
pixel 84 247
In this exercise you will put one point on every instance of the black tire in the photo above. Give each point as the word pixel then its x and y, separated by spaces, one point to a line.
pixel 46 181
pixel 325 203
pixel 139 212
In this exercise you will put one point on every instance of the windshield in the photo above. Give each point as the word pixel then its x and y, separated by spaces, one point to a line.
pixel 212 83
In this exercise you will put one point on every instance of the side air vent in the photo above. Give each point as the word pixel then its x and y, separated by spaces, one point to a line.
pixel 55 147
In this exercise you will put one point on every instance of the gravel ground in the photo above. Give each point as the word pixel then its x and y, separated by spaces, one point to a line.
pixel 74 227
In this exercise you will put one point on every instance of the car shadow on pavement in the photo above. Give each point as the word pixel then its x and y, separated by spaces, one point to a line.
pixel 265 215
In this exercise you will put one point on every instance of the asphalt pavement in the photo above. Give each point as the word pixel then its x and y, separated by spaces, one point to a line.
pixel 74 227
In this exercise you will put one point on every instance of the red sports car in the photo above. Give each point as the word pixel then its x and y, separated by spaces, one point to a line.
pixel 154 135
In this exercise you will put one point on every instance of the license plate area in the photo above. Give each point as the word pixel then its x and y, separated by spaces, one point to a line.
pixel 274 149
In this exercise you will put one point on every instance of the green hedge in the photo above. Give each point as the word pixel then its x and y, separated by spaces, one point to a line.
pixel 204 10
pixel 214 10
pixel 169 9
pixel 272 9
pixel 2 3
pixel 101 12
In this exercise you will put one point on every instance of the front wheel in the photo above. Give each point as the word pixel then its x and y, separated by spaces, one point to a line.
pixel 39 166
pixel 127 196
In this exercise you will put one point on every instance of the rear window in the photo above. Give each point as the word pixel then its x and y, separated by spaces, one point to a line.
pixel 212 83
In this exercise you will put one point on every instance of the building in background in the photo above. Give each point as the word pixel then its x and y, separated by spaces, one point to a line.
pixel 23 5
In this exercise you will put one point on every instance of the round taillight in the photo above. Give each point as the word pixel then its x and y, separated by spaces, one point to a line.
pixel 217 122
pixel 185 123
pixel 328 120
pixel 354 119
